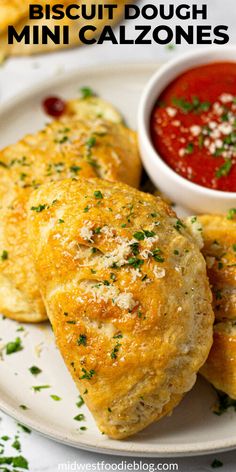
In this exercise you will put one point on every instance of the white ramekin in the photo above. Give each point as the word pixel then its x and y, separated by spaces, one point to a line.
pixel 180 190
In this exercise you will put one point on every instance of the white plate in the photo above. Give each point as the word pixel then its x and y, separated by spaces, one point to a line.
pixel 193 428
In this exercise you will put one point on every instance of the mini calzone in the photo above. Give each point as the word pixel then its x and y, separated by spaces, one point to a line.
pixel 219 233
pixel 126 291
pixel 88 140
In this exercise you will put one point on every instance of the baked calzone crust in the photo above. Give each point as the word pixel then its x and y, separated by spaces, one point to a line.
pixel 126 291
pixel 89 140
pixel 219 233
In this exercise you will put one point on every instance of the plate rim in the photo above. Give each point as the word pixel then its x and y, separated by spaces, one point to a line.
pixel 129 450
pixel 199 449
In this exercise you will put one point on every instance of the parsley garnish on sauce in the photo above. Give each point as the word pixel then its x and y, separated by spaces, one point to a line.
pixel 195 105
pixel 225 169
pixel 189 148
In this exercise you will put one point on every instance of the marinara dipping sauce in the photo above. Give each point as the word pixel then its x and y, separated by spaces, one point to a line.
pixel 193 125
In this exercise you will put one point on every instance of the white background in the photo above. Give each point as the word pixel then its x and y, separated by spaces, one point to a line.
pixel 21 73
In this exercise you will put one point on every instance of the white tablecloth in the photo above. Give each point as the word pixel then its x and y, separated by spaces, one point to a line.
pixel 21 73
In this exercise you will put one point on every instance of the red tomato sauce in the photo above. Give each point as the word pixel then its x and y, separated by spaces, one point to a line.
pixel 193 126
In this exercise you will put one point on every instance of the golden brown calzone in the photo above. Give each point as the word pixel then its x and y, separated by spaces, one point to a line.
pixel 126 291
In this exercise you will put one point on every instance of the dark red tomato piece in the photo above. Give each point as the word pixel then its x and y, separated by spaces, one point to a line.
pixel 54 106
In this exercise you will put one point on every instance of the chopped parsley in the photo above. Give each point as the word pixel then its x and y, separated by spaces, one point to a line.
pixel 157 254
pixel 90 143
pixel 135 248
pixel 79 417
pixel 38 388
pixel 75 169
pixel 216 464
pixel 18 461
pixel 189 148
pixel 195 105
pixel 178 225
pixel 38 208
pixel 87 374
pixel 98 194
pixel 4 255
pixel 55 398
pixel 35 370
pixel 2 164
pixel 141 235
pixel 23 176
pixel 82 340
pixel 14 346
pixel 135 262
pixel 86 92
pixel 16 444
pixel 115 351
pixel 170 47
pixel 20 329
pixel 80 402
pixel 224 403
pixel 231 214
pixel 60 221
pixel 24 428
pixel 62 140
pixel 118 336
pixel 225 169
pixel 218 295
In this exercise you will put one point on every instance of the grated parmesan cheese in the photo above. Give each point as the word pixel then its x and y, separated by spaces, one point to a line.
pixel 86 233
